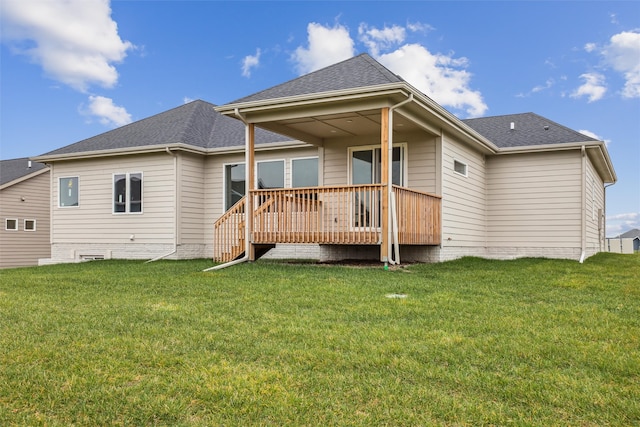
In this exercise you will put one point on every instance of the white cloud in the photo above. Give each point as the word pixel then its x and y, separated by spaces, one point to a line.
pixel 419 27
pixel 621 223
pixel 623 54
pixel 75 41
pixel 590 47
pixel 187 100
pixel 376 39
pixel 249 62
pixel 595 136
pixel 326 46
pixel 593 87
pixel 439 76
pixel 107 112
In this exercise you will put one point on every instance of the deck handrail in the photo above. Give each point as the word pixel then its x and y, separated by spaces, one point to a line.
pixel 229 238
pixel 338 214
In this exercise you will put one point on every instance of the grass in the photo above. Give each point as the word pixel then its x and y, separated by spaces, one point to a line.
pixel 475 342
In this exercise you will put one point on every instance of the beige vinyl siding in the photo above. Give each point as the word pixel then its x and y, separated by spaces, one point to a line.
pixel 534 200
pixel 463 197
pixel 420 158
pixel 192 199
pixel 24 248
pixel 93 221
pixel 594 206
pixel 422 169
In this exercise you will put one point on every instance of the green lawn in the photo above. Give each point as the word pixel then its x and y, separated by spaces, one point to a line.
pixel 475 342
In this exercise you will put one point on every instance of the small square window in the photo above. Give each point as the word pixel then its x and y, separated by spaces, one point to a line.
pixel 29 225
pixel 11 224
pixel 460 167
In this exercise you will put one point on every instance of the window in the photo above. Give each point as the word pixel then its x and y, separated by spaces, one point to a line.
pixel 304 172
pixel 460 167
pixel 29 225
pixel 366 168
pixel 234 182
pixel 127 193
pixel 68 192
pixel 270 174
pixel 11 224
pixel 366 165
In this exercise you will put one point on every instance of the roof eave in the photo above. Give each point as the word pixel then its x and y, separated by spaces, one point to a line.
pixel 608 173
pixel 24 178
pixel 312 98
pixel 118 152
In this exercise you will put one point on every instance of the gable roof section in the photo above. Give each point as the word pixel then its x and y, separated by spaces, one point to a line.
pixel 529 129
pixel 15 169
pixel 195 124
pixel 634 233
pixel 359 71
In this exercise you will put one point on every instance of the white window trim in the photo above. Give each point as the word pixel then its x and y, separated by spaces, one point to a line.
pixel 127 209
pixel 78 190
pixel 6 224
pixel 284 171
pixel 405 159
pixel 224 183
pixel 25 225
pixel 466 168
pixel 291 160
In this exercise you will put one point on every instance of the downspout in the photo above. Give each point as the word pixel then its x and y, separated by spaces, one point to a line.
pixel 175 208
pixel 604 215
pixel 583 221
pixel 390 234
pixel 248 205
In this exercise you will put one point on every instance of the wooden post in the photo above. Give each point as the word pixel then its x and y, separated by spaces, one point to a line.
pixel 249 184
pixel 386 185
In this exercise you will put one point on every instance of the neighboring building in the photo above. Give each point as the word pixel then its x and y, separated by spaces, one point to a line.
pixel 625 243
pixel 24 209
pixel 322 149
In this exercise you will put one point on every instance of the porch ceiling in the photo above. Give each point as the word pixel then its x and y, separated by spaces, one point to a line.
pixel 326 116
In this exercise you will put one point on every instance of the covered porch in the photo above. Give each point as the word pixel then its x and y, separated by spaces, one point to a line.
pixel 344 209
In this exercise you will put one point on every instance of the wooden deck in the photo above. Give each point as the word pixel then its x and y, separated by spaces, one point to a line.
pixel 340 215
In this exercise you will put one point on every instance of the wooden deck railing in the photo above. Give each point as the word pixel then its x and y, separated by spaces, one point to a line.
pixel 418 216
pixel 338 215
pixel 228 232
pixel 327 215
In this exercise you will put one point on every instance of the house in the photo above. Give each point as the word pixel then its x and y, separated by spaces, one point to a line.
pixel 349 161
pixel 625 243
pixel 24 209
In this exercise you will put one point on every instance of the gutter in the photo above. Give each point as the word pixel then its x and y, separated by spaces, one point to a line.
pixel 175 208
pixel 583 220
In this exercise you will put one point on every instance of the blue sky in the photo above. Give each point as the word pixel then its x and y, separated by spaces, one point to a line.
pixel 71 69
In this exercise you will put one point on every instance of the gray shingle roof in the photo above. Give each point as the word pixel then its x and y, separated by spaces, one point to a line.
pixel 631 234
pixel 529 129
pixel 196 124
pixel 13 169
pixel 359 71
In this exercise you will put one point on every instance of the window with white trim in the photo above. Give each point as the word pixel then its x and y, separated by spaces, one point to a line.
pixel 270 174
pixel 68 194
pixel 459 167
pixel 29 225
pixel 234 184
pixel 366 166
pixel 11 224
pixel 127 192
pixel 304 172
